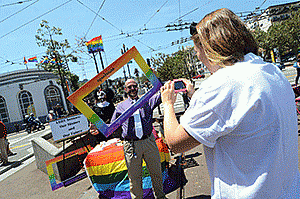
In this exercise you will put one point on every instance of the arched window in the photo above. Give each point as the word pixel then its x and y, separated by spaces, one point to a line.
pixel 4 117
pixel 53 97
pixel 26 102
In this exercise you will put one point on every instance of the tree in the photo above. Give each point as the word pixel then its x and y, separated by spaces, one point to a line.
pixel 57 51
pixel 283 36
pixel 174 66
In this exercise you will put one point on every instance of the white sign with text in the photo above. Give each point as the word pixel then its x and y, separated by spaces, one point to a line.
pixel 68 127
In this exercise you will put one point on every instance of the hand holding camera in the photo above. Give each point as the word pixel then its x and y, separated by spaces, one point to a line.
pixel 179 86
pixel 171 88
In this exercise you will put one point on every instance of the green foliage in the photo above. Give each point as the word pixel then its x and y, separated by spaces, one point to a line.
pixel 174 66
pixel 283 35
pixel 58 50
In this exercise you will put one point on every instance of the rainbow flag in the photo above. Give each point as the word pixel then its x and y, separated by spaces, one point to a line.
pixel 106 168
pixel 53 61
pixel 45 60
pixel 32 59
pixel 95 44
pixel 25 61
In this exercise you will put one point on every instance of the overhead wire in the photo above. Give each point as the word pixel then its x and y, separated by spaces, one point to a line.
pixel 99 16
pixel 19 60
pixel 19 2
pixel 121 32
pixel 192 11
pixel 19 11
pixel 179 12
pixel 34 19
pixel 186 14
pixel 155 13
pixel 130 34
pixel 94 18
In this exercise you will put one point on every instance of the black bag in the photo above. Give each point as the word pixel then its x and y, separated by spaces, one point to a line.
pixel 176 173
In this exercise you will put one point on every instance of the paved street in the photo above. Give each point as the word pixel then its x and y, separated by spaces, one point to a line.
pixel 22 179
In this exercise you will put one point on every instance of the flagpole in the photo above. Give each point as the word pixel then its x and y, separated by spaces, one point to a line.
pixel 25 62
pixel 95 63
pixel 103 67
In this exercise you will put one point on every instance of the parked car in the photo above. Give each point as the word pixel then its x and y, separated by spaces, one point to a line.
pixel 199 76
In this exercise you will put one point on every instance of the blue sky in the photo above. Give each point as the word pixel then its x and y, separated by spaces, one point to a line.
pixel 20 21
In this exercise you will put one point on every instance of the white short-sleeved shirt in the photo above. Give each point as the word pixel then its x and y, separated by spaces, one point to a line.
pixel 245 117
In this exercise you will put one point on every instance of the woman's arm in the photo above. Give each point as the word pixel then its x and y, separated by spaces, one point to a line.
pixel 176 136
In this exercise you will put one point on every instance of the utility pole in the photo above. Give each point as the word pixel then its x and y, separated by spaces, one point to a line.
pixel 106 81
pixel 124 50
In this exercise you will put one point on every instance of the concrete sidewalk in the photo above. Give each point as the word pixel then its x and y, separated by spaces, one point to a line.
pixel 30 182
pixel 19 157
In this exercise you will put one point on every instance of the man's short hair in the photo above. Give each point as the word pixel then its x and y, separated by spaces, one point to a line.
pixel 130 82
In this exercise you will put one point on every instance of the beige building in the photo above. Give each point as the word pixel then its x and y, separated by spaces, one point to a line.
pixel 28 91
pixel 263 19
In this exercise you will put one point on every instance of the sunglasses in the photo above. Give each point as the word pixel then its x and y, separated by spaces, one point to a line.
pixel 193 29
pixel 132 86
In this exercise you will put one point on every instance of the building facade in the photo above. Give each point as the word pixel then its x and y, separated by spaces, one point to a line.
pixel 28 91
pixel 263 19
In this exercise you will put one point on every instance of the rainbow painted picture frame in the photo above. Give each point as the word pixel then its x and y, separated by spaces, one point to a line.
pixel 49 166
pixel 77 97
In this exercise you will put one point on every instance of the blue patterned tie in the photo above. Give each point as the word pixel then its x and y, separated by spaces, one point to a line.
pixel 138 123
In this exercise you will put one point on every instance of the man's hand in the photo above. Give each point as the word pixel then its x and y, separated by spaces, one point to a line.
pixel 168 95
pixel 93 129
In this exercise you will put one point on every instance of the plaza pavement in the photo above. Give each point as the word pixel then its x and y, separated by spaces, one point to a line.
pixel 29 182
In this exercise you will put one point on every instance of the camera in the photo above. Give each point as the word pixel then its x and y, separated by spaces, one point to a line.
pixel 179 86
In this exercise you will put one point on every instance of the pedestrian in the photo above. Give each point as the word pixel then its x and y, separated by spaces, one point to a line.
pixel 51 116
pixel 3 145
pixel 8 151
pixel 297 66
pixel 59 111
pixel 139 142
pixel 243 114
pixel 104 108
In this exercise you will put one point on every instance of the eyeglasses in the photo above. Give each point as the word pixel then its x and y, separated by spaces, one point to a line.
pixel 132 86
pixel 193 29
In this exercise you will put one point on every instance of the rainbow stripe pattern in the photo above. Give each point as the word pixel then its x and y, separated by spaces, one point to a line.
pixel 95 44
pixel 53 61
pixel 32 59
pixel 25 61
pixel 49 166
pixel 76 97
pixel 107 171
pixel 45 60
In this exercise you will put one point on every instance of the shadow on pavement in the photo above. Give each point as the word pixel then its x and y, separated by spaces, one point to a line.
pixel 15 164
pixel 200 197
pixel 9 165
pixel 193 155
